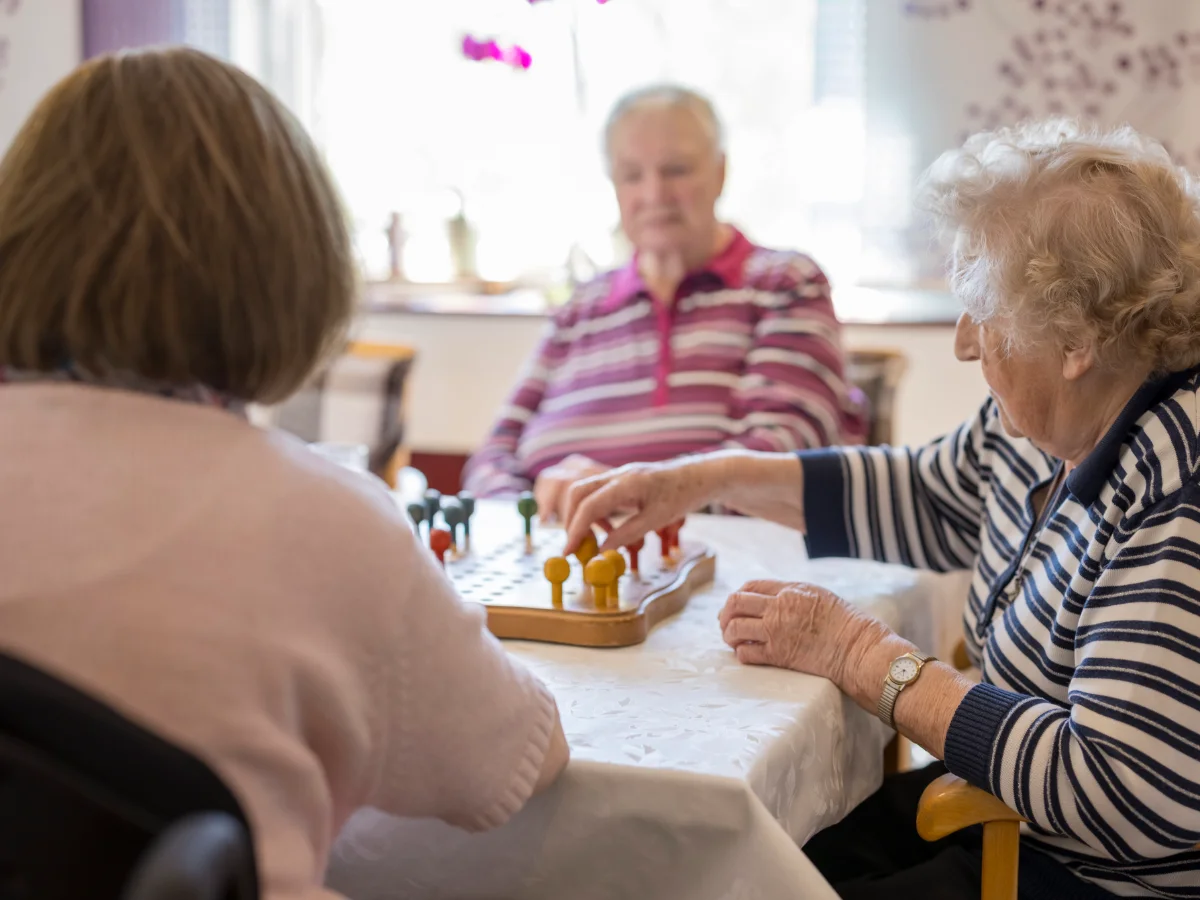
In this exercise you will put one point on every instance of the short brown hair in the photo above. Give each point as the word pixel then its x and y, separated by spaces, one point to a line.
pixel 163 215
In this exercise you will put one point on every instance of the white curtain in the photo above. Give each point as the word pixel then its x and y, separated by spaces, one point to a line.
pixel 410 126
pixel 832 107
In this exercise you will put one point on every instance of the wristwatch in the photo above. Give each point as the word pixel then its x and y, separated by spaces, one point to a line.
pixel 903 671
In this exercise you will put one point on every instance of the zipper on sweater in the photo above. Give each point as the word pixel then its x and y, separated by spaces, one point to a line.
pixel 1014 577
pixel 664 314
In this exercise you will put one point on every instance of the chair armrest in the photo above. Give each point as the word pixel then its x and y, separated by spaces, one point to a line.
pixel 959 659
pixel 950 804
pixel 204 856
pixel 373 350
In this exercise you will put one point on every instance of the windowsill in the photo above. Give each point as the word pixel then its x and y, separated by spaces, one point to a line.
pixel 854 305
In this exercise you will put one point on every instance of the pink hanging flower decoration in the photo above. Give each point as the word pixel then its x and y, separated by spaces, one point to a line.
pixel 478 50
pixel 481 51
pixel 518 57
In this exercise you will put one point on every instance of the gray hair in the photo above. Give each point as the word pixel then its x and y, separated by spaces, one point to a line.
pixel 667 96
pixel 1076 235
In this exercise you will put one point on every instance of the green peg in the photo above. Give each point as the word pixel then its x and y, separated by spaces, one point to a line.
pixel 416 512
pixel 452 512
pixel 528 508
pixel 467 499
pixel 433 503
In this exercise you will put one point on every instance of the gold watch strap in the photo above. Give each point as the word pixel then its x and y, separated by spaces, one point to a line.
pixel 886 710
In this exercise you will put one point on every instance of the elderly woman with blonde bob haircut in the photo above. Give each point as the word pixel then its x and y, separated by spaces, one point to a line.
pixel 171 248
pixel 1073 495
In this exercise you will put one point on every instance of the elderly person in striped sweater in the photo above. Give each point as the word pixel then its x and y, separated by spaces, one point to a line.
pixel 703 341
pixel 1073 494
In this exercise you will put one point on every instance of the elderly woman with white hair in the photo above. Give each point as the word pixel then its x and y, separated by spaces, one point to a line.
pixel 703 341
pixel 1073 494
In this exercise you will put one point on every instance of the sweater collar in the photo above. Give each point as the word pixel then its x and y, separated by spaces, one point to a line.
pixel 726 268
pixel 73 374
pixel 1087 480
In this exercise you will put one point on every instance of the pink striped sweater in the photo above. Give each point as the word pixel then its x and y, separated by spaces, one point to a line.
pixel 748 355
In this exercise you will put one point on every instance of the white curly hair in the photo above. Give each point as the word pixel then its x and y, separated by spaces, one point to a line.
pixel 1075 235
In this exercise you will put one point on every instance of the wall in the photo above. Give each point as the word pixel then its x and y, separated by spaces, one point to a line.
pixel 40 42
pixel 939 70
pixel 466 366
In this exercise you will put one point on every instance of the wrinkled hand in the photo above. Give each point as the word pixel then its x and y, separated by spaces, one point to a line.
pixel 798 626
pixel 649 496
pixel 553 484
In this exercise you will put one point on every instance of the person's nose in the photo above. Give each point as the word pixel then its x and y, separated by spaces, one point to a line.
pixel 655 190
pixel 966 339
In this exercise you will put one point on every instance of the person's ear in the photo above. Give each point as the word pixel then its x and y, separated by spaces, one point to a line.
pixel 1077 361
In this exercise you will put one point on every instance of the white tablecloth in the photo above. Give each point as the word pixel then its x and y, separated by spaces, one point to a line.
pixel 692 776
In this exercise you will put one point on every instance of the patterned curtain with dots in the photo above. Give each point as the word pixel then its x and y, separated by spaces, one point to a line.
pixel 939 70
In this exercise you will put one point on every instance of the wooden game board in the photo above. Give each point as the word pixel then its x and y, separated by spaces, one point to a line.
pixel 498 573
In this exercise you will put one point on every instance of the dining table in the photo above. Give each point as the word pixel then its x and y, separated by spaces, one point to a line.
pixel 691 775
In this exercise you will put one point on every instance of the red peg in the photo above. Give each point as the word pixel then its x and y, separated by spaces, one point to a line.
pixel 439 543
pixel 673 533
pixel 664 541
pixel 634 550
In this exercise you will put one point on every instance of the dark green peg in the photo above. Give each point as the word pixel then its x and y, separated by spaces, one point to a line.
pixel 452 512
pixel 528 508
pixel 433 503
pixel 467 499
pixel 416 512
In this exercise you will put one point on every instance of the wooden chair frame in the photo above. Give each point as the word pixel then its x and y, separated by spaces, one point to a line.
pixel 392 454
pixel 950 804
pixel 887 368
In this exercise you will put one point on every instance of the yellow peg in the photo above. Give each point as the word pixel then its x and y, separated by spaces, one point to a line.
pixel 618 564
pixel 557 570
pixel 599 573
pixel 588 548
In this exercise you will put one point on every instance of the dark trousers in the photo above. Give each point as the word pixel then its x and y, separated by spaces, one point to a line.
pixel 875 853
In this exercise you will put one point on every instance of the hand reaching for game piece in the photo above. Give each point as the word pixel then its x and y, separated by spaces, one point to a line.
pixel 645 497
pixel 650 496
pixel 553 484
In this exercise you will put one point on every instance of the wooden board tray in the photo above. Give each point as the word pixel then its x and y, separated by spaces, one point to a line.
pixel 498 573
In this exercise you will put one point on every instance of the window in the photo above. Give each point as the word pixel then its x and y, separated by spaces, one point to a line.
pixel 832 107
pixel 410 126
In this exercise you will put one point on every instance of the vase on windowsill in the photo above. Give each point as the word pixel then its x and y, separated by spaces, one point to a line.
pixel 397 237
pixel 462 238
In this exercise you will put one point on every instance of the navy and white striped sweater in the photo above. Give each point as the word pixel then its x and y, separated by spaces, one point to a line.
pixel 1088 720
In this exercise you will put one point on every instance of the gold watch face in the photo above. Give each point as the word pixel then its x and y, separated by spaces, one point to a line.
pixel 904 669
